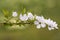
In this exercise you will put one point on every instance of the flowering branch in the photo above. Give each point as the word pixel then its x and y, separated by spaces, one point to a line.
pixel 29 18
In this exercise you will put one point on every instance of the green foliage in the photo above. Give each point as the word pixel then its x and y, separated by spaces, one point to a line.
pixel 6 13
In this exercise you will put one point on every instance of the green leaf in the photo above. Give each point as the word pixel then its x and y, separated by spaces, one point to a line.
pixel 6 13
pixel 24 11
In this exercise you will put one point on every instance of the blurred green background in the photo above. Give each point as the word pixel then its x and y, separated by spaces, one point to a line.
pixel 47 8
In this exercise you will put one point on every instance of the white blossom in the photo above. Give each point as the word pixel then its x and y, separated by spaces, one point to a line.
pixel 55 25
pixel 49 28
pixel 36 22
pixel 38 26
pixel 14 14
pixel 30 16
pixel 52 24
pixel 49 22
pixel 40 19
pixel 43 25
pixel 23 17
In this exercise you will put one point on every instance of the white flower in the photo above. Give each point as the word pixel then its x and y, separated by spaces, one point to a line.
pixel 52 24
pixel 43 25
pixel 14 14
pixel 30 16
pixel 49 22
pixel 40 19
pixel 36 22
pixel 49 28
pixel 55 25
pixel 38 26
pixel 23 17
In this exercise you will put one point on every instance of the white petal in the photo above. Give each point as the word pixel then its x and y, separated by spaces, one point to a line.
pixel 20 15
pixel 56 27
pixel 14 14
pixel 26 17
pixel 23 17
pixel 38 26
pixel 49 28
pixel 40 19
pixel 30 16
pixel 36 22
pixel 49 22
pixel 43 25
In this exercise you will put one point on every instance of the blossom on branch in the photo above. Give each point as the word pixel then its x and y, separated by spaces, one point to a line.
pixel 38 21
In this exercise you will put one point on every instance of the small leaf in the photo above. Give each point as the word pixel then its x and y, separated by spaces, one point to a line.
pixel 24 11
pixel 6 13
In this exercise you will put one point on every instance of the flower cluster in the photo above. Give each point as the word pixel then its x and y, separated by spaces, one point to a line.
pixel 39 21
